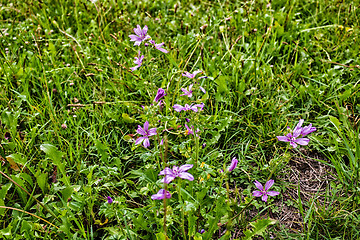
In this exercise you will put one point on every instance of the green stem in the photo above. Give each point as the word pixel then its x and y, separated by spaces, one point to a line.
pixel 242 209
pixel 182 209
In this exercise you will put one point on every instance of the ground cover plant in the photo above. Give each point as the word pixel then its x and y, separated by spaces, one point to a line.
pixel 179 120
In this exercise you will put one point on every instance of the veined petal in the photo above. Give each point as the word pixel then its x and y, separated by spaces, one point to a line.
pixel 297 132
pixel 302 141
pixel 186 175
pixel 166 171
pixel 137 30
pixel 283 138
pixel 272 193
pixel 140 130
pixel 257 193
pixel 162 193
pixel 259 185
pixel 301 121
pixel 187 74
pixel 139 140
pixel 185 167
pixel 134 38
pixel 146 142
pixel 167 179
pixel 264 197
pixel 194 108
pixel 146 126
pixel 135 67
pixel 268 184
pixel 145 29
pixel 178 107
pixel 152 132
pixel 202 89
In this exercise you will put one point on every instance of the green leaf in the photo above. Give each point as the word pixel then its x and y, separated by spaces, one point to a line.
pixel 42 181
pixel 258 228
pixel 336 122
pixel 56 156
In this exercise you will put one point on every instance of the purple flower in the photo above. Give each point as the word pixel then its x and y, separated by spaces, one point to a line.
pixel 191 75
pixel 233 164
pixel 190 130
pixel 140 35
pixel 162 193
pixel 298 130
pixel 204 145
pixel 201 231
pixel 146 133
pixel 181 172
pixel 109 200
pixel 264 192
pixel 138 61
pixel 159 46
pixel 162 142
pixel 186 92
pixel 188 107
pixel 160 93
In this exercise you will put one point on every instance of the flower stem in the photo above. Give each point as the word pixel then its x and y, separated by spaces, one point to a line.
pixel 182 209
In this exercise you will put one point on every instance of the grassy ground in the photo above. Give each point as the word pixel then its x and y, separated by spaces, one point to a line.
pixel 69 105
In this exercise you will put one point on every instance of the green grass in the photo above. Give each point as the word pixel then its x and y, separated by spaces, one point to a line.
pixel 269 65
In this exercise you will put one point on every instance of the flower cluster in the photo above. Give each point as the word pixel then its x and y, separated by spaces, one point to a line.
pixel 294 137
pixel 142 36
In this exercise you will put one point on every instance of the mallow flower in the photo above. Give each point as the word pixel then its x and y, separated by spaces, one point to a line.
pixel 160 93
pixel 187 92
pixel 159 46
pixel 146 133
pixel 190 130
pixel 264 193
pixel 181 172
pixel 298 131
pixel 233 164
pixel 109 200
pixel 191 75
pixel 138 61
pixel 140 35
pixel 188 107
pixel 162 193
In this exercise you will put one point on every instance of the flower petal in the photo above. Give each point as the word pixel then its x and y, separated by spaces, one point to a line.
pixel 185 167
pixel 146 126
pixel 272 193
pixel 162 193
pixel 166 171
pixel 202 89
pixel 167 179
pixel 259 185
pixel 186 175
pixel 257 193
pixel 139 140
pixel 152 132
pixel 283 138
pixel 268 184
pixel 302 141
pixel 178 107
pixel 196 72
pixel 146 142
pixel 264 197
